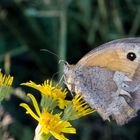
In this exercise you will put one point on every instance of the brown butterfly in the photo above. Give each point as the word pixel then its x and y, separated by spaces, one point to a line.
pixel 108 78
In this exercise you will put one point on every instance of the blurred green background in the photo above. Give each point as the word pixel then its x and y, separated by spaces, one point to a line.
pixel 68 28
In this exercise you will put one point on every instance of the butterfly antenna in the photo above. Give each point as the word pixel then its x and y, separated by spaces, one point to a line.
pixel 60 60
pixel 45 50
pixel 65 62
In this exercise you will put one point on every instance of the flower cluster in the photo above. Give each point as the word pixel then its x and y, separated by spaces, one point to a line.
pixel 5 84
pixel 56 112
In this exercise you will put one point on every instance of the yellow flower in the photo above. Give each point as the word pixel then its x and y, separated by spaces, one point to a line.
pixel 5 80
pixel 5 83
pixel 50 124
pixel 77 108
pixel 81 107
pixel 48 89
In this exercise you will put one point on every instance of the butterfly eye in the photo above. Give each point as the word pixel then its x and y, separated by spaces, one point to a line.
pixel 131 56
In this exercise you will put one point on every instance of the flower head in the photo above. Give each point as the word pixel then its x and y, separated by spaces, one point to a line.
pixel 5 80
pixel 81 107
pixel 77 108
pixel 56 93
pixel 49 123
pixel 5 83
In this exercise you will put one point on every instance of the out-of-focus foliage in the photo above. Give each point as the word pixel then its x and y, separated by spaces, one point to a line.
pixel 69 28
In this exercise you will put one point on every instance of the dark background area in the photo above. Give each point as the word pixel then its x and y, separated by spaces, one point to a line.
pixel 68 28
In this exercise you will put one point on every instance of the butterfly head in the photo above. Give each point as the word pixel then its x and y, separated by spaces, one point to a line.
pixel 69 76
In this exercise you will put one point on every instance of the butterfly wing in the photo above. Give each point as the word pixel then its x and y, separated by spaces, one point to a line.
pixel 97 87
pixel 113 56
pixel 93 77
pixel 133 87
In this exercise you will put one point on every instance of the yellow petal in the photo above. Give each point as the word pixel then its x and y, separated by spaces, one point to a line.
pixel 58 136
pixel 70 130
pixel 35 104
pixel 31 84
pixel 29 111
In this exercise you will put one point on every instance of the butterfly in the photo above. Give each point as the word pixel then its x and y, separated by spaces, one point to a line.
pixel 108 78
